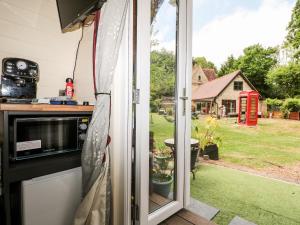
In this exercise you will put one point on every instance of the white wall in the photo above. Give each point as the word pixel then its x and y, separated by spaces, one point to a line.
pixel 84 86
pixel 30 29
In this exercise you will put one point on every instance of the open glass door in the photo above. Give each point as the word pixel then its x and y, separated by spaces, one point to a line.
pixel 160 110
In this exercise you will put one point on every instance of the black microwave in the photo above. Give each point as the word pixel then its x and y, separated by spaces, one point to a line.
pixel 33 137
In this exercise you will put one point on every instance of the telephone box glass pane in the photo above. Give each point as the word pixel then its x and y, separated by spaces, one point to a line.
pixel 253 109
pixel 243 107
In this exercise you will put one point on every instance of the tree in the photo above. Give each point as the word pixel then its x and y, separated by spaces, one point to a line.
pixel 255 65
pixel 285 80
pixel 163 74
pixel 229 66
pixel 293 36
pixel 204 63
pixel 155 6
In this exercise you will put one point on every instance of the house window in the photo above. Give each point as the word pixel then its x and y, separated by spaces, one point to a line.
pixel 230 106
pixel 238 85
pixel 198 107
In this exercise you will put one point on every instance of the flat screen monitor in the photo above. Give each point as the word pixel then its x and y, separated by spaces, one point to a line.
pixel 75 11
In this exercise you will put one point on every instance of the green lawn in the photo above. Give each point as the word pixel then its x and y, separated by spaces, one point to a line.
pixel 272 142
pixel 257 199
pixel 161 128
pixel 261 200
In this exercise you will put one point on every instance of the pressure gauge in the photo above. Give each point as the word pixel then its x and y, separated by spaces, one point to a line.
pixel 21 65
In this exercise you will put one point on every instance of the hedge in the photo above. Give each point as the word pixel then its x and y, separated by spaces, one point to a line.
pixel 291 105
pixel 274 104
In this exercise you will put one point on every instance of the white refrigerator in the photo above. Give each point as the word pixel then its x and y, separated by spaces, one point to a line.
pixel 51 199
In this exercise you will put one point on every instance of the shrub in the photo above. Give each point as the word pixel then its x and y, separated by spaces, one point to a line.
pixel 265 114
pixel 170 112
pixel 274 104
pixel 170 119
pixel 155 105
pixel 208 136
pixel 291 105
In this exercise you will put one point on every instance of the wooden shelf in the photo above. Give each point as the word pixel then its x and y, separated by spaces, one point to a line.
pixel 45 108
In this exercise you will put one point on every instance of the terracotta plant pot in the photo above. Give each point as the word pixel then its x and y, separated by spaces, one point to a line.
pixel 294 116
pixel 277 115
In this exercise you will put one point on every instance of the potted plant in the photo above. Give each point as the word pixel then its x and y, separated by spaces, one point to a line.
pixel 161 177
pixel 273 106
pixel 291 108
pixel 209 141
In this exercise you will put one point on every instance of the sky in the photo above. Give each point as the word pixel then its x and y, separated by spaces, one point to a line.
pixel 225 27
pixel 164 27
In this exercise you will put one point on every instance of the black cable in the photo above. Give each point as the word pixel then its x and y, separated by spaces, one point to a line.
pixel 77 50
pixel 102 93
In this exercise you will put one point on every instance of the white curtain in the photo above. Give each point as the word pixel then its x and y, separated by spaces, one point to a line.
pixel 95 207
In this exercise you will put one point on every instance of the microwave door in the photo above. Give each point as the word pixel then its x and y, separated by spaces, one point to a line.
pixel 60 133
pixel 66 134
pixel 45 135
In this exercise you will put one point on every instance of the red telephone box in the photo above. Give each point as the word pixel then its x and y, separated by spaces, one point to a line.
pixel 248 108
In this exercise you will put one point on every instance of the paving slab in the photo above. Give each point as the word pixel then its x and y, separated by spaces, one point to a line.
pixel 206 211
pixel 240 221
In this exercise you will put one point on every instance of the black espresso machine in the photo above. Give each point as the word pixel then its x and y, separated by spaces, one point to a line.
pixel 18 80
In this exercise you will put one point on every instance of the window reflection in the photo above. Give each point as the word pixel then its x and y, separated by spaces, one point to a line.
pixel 162 159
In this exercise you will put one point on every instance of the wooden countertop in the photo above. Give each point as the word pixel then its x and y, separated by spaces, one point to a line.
pixel 45 108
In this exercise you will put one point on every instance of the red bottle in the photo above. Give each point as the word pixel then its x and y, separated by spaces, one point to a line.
pixel 69 87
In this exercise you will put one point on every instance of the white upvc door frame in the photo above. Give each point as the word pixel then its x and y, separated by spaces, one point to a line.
pixel 183 116
pixel 142 109
pixel 121 127
pixel 188 85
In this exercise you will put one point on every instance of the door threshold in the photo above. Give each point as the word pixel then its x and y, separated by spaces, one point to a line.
pixel 186 217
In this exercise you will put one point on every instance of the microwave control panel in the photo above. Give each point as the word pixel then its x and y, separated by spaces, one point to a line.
pixel 83 124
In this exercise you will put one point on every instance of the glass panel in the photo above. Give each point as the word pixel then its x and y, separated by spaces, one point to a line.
pixel 50 134
pixel 243 109
pixel 253 109
pixel 162 159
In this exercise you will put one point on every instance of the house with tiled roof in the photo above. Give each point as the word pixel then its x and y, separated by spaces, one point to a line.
pixel 222 92
pixel 201 76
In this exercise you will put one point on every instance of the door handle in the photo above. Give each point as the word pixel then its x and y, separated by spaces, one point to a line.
pixel 184 98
